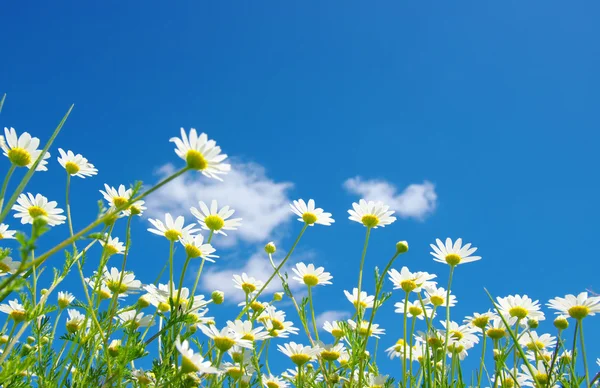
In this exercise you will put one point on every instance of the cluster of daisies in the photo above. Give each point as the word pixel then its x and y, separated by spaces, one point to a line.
pixel 235 348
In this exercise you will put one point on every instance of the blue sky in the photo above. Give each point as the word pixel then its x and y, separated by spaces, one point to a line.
pixel 494 104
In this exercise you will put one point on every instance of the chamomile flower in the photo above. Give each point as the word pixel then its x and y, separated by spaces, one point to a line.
pixel 121 283
pixel 275 323
pixel 247 332
pixel 376 381
pixel 311 276
pixel 299 354
pixel 143 378
pixel 8 265
pixel 333 328
pixel 520 307
pixel 533 341
pixel 5 233
pixel 29 207
pixel 270 381
pixel 112 246
pixel 577 307
pixel 497 329
pixel 437 296
pixel 193 362
pixel 195 247
pixel 366 301
pixel 201 154
pixel 23 150
pixel 116 197
pixel 331 352
pixel 371 214
pixel 461 333
pixel 453 254
pixel 135 209
pixel 65 299
pixel 480 320
pixel 130 318
pixel 173 230
pixel 76 165
pixel 363 328
pixel 225 338
pixel 414 309
pixel 246 283
pixel 75 320
pixel 410 281
pixel 14 309
pixel 541 376
pixel 309 214
pixel 215 220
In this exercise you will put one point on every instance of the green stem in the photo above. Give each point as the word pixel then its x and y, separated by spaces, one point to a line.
pixel 171 246
pixel 5 184
pixel 481 363
pixel 185 265
pixel 198 277
pixel 582 342
pixel 405 318
pixel 445 355
pixel 312 312
pixel 360 276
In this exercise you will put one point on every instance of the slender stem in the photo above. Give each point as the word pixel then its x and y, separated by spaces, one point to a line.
pixel 481 364
pixel 5 184
pixel 198 277
pixel 312 312
pixel 410 344
pixel 360 274
pixel 171 245
pixel 582 342
pixel 445 355
pixel 405 318
pixel 185 265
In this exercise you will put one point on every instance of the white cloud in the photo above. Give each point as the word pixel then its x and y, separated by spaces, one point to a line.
pixel 331 315
pixel 261 202
pixel 416 201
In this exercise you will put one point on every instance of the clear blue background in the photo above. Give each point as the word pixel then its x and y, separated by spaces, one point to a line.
pixel 496 103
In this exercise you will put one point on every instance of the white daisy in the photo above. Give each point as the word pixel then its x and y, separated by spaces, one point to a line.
pixel 65 299
pixel 363 328
pixel 172 230
pixel 22 151
pixel 453 254
pixel 371 214
pixel 193 362
pixel 577 307
pixel 75 320
pixel 437 296
pixel 135 209
pixel 497 329
pixel 201 154
pixel 14 309
pixel 480 320
pixel 275 323
pixel 532 341
pixel 310 275
pixel 214 219
pixel 130 318
pixel 112 246
pixel 414 309
pixel 5 233
pixel 540 378
pixel 331 352
pixel 334 328
pixel 309 214
pixel 225 338
pixel 520 307
pixel 7 265
pixel 464 334
pixel 76 165
pixel 247 332
pixel 143 378
pixel 410 281
pixel 271 381
pixel 128 284
pixel 116 197
pixel 366 301
pixel 29 207
pixel 376 381
pixel 247 283
pixel 299 354
pixel 195 247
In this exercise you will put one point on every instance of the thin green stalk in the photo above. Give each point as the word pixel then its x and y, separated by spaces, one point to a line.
pixel 445 355
pixel 171 246
pixel 482 359
pixel 410 344
pixel 405 318
pixel 185 265
pixel 198 277
pixel 5 184
pixel 582 342
pixel 360 275
pixel 312 312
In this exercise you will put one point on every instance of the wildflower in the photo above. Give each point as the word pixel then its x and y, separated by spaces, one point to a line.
pixel 215 220
pixel 480 320
pixel 275 323
pixel 245 330
pixel 217 297
pixel 363 328
pixel 76 165
pixel 309 214
pixel 310 275
pixel 271 381
pixel 409 281
pixel 270 248
pixel 112 246
pixel 116 198
pixel 453 254
pixel 172 230
pixel 193 362
pixel 376 381
pixel 533 341
pixel 371 214
pixel 5 233
pixel 135 321
pixel 366 301
pixel 333 328
pixel 201 154
pixel 520 307
pixel 541 376
pixel 225 338
pixel 464 334
pixel 497 329
pixel 401 247
pixel 15 310
pixel 114 347
pixel 299 354
pixel 195 247
pixel 414 309
pixel 438 296
pixel 143 378
pixel 120 283
pixel 65 299
pixel 28 208
pixel 135 209
pixel 8 265
pixel 577 307
pixel 561 322
pixel 75 320
pixel 22 151
pixel 247 283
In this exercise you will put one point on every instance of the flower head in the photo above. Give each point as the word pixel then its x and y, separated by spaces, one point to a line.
pixel 195 247
pixel 299 354
pixel 215 220
pixel 270 381
pixel 309 214
pixel 371 214
pixel 411 281
pixel 577 307
pixel 173 230
pixel 8 265
pixel 15 310
pixel 414 309
pixel 22 151
pixel 29 208
pixel 520 307
pixel 5 233
pixel 453 254
pixel 246 283
pixel 112 246
pixel 193 362
pixel 363 328
pixel 226 338
pixel 116 197
pixel 76 165
pixel 437 296
pixel 311 276
pixel 334 328
pixel 201 154
pixel 366 301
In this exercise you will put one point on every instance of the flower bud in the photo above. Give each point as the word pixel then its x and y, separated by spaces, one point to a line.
pixel 114 347
pixel 143 302
pixel 401 247
pixel 43 291
pixel 533 323
pixel 561 322
pixel 3 339
pixel 30 340
pixel 270 248
pixel 278 296
pixel 217 297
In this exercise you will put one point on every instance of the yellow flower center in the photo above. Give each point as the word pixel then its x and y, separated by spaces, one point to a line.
pixel 192 251
pixel 164 307
pixel 481 321
pixel 337 333
pixel 415 311
pixel 72 168
pixel 73 326
pixel 309 218
pixel 541 378
pixel 110 249
pixel 36 211
pixel 300 359
pixel 172 235
pixel 435 342
pixel 330 355
pixel 63 303
pixel 508 383
pixel 370 220
pixel 19 156
pixel 143 380
pixel 277 324
pixel 187 366
pixel 535 345
pixel 235 372
pixel 248 288
pixel 4 267
pixel 195 160
pixel 310 280
pixel 18 315
pixel 104 294
pixel 223 343
pixel 453 259
pixel 362 303
pixel 408 285
pixel 436 300
pixel 363 329
pixel 116 286
pixel 271 384
pixel 135 210
pixel 518 311
pixel 1 236
pixel 214 222
pixel 496 333
pixel 399 345
pixel 249 337
pixel 119 201
pixel 456 335
pixel 456 348
pixel 256 306
pixel 579 312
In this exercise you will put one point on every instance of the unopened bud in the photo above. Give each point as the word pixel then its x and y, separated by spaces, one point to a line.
pixel 270 248
pixel 114 347
pixel 43 291
pixel 278 296
pixel 30 340
pixel 533 323
pixel 143 302
pixel 561 323
pixel 217 297
pixel 401 247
